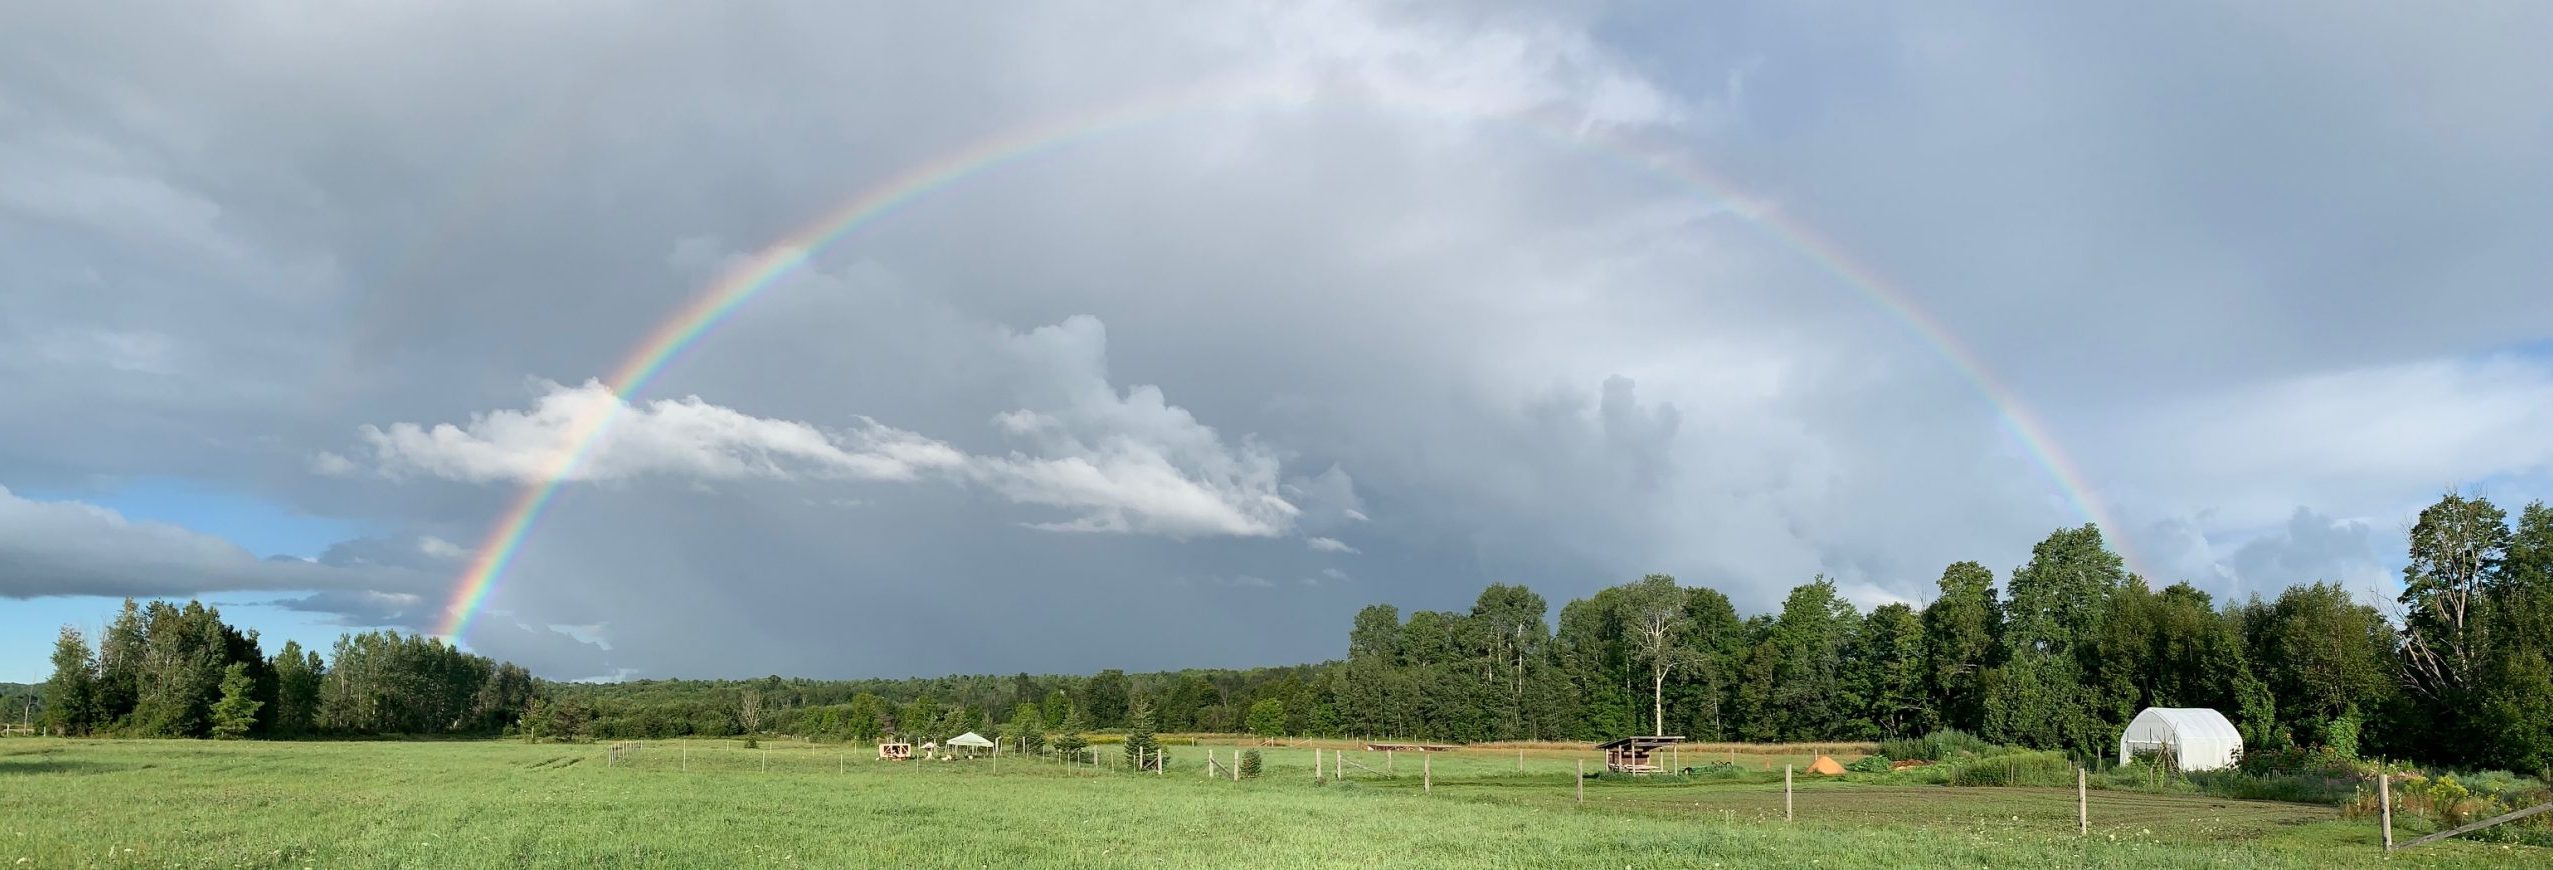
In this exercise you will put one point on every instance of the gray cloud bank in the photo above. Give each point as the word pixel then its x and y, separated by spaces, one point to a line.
pixel 1368 334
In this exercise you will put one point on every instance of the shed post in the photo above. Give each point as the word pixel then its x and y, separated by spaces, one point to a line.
pixel 2384 800
pixel 1582 781
pixel 1786 792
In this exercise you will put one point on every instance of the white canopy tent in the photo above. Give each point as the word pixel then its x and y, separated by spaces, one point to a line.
pixel 2197 738
pixel 971 740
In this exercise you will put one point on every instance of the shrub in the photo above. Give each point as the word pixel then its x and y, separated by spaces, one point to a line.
pixel 1870 764
pixel 1250 763
pixel 751 743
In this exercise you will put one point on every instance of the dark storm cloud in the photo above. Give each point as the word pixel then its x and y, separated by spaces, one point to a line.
pixel 1456 348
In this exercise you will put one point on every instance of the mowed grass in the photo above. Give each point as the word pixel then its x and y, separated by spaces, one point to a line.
pixel 66 803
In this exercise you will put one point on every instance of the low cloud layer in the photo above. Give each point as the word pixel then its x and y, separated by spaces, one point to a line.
pixel 74 548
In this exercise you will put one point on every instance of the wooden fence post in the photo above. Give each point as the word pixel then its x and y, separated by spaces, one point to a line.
pixel 766 761
pixel 686 759
pixel 1786 792
pixel 1427 773
pixel 2384 800
pixel 1387 761
pixel 1582 782
pixel 1236 765
pixel 2082 806
pixel 1520 760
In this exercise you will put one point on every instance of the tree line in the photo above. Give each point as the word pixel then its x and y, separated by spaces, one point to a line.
pixel 165 670
pixel 2059 655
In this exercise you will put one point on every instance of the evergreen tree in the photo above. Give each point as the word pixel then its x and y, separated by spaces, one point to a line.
pixel 71 696
pixel 1069 741
pixel 1140 744
pixel 236 712
pixel 2517 670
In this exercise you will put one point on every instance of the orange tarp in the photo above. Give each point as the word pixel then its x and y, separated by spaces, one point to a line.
pixel 1826 766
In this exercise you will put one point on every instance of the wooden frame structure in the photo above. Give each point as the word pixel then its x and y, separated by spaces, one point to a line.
pixel 897 751
pixel 1631 754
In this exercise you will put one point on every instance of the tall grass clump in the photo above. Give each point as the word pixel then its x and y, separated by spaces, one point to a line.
pixel 2039 769
pixel 1948 744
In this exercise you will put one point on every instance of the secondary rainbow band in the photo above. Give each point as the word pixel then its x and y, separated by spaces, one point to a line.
pixel 687 324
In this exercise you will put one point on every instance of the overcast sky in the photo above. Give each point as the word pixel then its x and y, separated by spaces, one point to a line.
pixel 1273 310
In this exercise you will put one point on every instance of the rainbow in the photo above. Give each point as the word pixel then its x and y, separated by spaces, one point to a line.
pixel 667 342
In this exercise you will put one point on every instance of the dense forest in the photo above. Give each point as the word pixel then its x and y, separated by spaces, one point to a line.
pixel 2060 655
pixel 164 670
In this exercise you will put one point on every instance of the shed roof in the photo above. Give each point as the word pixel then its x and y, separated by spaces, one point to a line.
pixel 1649 742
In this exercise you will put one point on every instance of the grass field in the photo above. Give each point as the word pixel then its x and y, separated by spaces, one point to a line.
pixel 70 803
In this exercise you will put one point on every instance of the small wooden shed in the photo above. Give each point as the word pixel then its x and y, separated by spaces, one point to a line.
pixel 897 751
pixel 1631 754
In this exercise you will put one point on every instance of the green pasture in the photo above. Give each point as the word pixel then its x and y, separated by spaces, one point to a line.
pixel 134 803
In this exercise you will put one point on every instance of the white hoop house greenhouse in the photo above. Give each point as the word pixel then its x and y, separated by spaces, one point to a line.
pixel 2195 738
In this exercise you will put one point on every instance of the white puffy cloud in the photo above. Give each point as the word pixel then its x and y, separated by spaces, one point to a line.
pixel 588 432
pixel 1329 545
pixel 1121 462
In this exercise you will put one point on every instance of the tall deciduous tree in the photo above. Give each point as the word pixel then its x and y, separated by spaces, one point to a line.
pixel 1810 690
pixel 1888 660
pixel 1653 617
pixel 1104 699
pixel 1960 628
pixel 2456 550
pixel 298 675
pixel 2058 600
